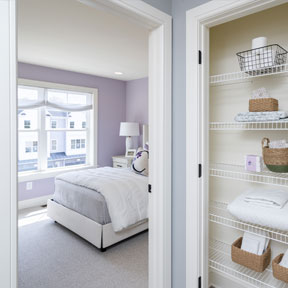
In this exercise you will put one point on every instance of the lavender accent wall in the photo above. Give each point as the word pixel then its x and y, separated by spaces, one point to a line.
pixel 40 188
pixel 137 103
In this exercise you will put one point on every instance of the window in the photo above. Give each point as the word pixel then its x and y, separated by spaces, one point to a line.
pixel 31 147
pixel 78 144
pixel 73 144
pixel 53 124
pixel 40 111
pixel 27 124
pixel 53 145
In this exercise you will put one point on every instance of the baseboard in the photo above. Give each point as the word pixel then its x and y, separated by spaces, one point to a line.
pixel 30 203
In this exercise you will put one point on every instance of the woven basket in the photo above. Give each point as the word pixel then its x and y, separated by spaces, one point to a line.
pixel 255 262
pixel 263 104
pixel 279 272
pixel 275 159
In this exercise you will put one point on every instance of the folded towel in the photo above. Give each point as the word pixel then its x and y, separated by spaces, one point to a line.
pixel 261 116
pixel 284 261
pixel 255 244
pixel 267 198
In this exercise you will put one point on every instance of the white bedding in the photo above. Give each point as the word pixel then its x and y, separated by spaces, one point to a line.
pixel 124 191
pixel 248 212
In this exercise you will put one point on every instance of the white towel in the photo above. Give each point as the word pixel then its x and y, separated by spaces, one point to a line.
pixel 267 198
pixel 255 244
pixel 284 261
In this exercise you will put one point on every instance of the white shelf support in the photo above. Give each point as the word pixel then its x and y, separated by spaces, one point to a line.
pixel 219 214
pixel 265 126
pixel 237 172
pixel 247 75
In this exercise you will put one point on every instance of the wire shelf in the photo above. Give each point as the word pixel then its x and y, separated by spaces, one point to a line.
pixel 220 261
pixel 218 213
pixel 275 125
pixel 247 75
pixel 237 172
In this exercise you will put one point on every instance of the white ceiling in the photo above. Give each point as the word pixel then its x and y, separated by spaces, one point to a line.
pixel 69 35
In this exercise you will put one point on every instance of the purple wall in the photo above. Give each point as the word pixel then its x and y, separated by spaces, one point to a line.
pixel 40 188
pixel 114 106
pixel 137 103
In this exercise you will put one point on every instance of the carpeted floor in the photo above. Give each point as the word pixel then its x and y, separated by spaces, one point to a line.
pixel 51 256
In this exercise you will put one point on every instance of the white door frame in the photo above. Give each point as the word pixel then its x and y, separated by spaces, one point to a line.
pixel 198 22
pixel 160 53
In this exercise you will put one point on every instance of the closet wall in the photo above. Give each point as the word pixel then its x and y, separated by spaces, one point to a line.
pixel 226 100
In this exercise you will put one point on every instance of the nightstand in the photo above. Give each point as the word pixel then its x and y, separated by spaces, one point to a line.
pixel 121 161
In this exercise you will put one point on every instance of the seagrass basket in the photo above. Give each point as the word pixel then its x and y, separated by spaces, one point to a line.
pixel 276 159
pixel 263 105
pixel 252 261
pixel 279 272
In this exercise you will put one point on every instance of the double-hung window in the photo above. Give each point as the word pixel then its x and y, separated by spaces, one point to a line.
pixel 51 131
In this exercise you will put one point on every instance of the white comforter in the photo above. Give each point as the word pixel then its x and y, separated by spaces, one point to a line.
pixel 124 191
pixel 248 212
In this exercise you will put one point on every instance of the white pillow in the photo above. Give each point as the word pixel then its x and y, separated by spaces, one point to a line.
pixel 140 162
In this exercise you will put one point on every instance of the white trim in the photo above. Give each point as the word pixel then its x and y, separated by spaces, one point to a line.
pixel 198 22
pixel 34 202
pixel 160 47
pixel 56 86
pixel 8 168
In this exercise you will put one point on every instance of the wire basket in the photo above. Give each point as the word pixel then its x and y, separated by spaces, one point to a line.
pixel 262 60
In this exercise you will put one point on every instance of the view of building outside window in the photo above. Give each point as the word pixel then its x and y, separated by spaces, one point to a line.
pixel 64 147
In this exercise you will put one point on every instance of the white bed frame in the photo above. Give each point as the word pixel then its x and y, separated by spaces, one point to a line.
pixel 101 236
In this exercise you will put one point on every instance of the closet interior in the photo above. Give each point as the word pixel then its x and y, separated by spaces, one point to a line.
pixel 234 144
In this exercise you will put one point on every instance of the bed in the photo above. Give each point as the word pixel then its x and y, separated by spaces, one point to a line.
pixel 102 205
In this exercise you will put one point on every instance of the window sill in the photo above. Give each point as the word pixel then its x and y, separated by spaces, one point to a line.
pixel 38 175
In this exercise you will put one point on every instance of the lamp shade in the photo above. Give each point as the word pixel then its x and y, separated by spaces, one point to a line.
pixel 129 129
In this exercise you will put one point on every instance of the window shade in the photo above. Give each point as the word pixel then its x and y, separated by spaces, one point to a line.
pixel 29 98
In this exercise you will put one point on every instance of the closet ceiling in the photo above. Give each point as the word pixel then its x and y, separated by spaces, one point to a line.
pixel 72 36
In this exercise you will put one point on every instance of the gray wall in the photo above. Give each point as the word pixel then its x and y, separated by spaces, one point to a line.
pixel 178 11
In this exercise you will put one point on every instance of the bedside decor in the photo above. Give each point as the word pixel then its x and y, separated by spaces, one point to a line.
pixel 129 129
pixel 130 153
pixel 140 164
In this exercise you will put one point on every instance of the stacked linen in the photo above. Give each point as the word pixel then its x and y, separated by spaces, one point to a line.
pixel 261 116
pixel 254 243
pixel 262 207
pixel 267 198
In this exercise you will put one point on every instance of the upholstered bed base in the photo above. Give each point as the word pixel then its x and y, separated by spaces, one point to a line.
pixel 101 236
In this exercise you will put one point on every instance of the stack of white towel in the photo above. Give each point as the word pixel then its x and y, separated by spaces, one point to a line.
pixel 267 198
pixel 254 244
pixel 284 261
pixel 279 144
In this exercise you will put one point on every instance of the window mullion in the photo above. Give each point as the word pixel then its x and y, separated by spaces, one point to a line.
pixel 43 138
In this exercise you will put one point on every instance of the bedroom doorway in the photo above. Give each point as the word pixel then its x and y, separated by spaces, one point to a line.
pixel 159 136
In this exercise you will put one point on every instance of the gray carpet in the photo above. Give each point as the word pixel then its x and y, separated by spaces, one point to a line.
pixel 51 256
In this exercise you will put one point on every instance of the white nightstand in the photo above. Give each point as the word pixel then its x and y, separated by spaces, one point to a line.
pixel 121 161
